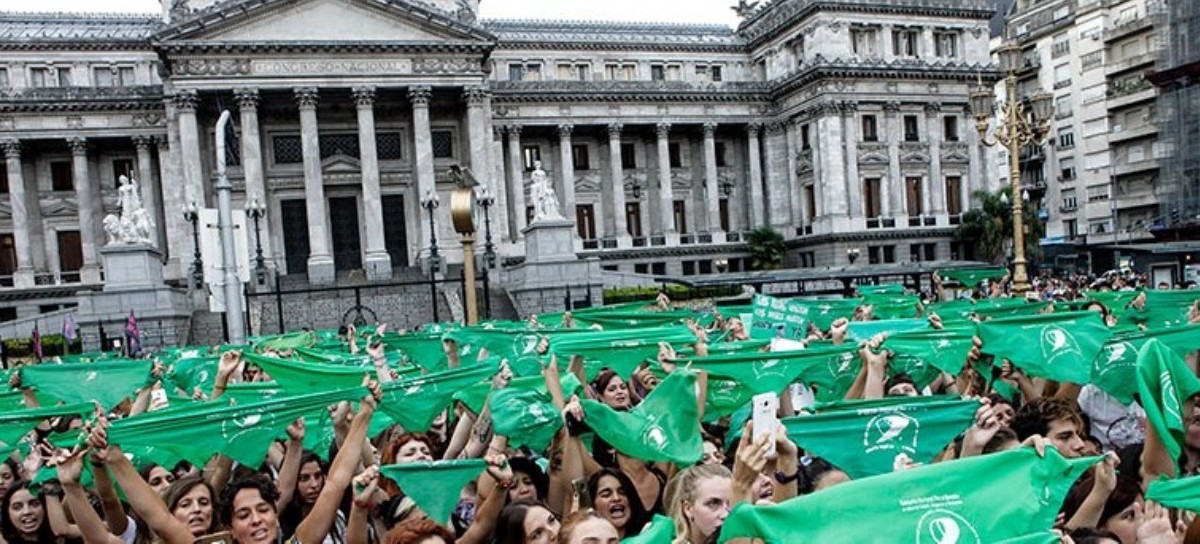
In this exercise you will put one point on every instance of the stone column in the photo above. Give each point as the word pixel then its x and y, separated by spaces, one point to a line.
pixel 320 257
pixel 145 179
pixel 935 200
pixel 976 167
pixel 423 154
pixel 890 206
pixel 186 102
pixel 712 195
pixel 516 179
pixel 616 175
pixel 666 198
pixel 252 161
pixel 477 133
pixel 756 188
pixel 23 275
pixel 833 166
pixel 85 193
pixel 794 202
pixel 853 182
pixel 566 168
pixel 177 232
pixel 377 262
pixel 775 177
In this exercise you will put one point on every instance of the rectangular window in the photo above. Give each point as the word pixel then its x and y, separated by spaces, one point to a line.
pixel 912 194
pixel 954 195
pixel 1062 75
pixel 525 71
pixel 911 128
pixel 674 72
pixel 1069 201
pixel 871 199
pixel 679 210
pixel 805 142
pixel 121 167
pixel 1097 193
pixel 579 157
pixel 1067 165
pixel 658 72
pixel 64 77
pixel 950 128
pixel 61 176
pixel 1071 228
pixel 945 44
pixel 628 156
pixel 8 259
pixel 585 221
pixel 1066 139
pixel 1062 107
pixel 723 213
pixel 125 76
pixel 39 77
pixel 863 42
pixel 719 151
pixel 3 181
pixel 810 202
pixel 531 154
pixel 102 76
pixel 870 129
pixel 566 72
pixel 716 74
pixel 443 144
pixel 515 72
pixel 1095 161
pixel 905 41
pixel 1095 127
pixel 1091 60
pixel 4 82
pixel 70 254
pixel 633 218
pixel 1091 30
pixel 675 155
pixel 1060 46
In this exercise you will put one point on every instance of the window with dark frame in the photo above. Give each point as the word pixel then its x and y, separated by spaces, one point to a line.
pixel 675 155
pixel 870 129
pixel 121 167
pixel 911 128
pixel 805 142
pixel 443 143
pixel 912 192
pixel 628 156
pixel 3 181
pixel 530 154
pixel 954 195
pixel 950 128
pixel 61 176
pixel 872 205
pixel 680 215
pixel 719 150
pixel 658 72
pixel 580 158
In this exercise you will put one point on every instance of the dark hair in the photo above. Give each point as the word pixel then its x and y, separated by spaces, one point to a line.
pixel 602 380
pixel 1126 492
pixel 266 489
pixel 811 473
pixel 293 512
pixel 1089 535
pixel 510 527
pixel 1003 434
pixel 387 456
pixel 898 379
pixel 417 530
pixel 638 516
pixel 9 530
pixel 185 485
pixel 1036 415
pixel 524 465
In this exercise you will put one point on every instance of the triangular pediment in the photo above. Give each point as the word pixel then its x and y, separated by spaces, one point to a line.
pixel 340 163
pixel 321 21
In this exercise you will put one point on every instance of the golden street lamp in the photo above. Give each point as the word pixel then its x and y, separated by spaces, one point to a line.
pixel 1022 122
pixel 462 216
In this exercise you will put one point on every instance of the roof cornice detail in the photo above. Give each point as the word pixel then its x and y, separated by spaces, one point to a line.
pixel 766 22
pixel 49 99
pixel 626 91
pixel 821 69
pixel 216 47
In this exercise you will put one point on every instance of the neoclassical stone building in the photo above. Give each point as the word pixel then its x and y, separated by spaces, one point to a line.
pixel 841 124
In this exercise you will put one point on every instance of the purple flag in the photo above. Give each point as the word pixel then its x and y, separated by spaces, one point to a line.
pixel 133 338
pixel 37 342
pixel 69 328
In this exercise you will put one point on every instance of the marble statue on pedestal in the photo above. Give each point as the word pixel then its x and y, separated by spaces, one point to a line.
pixel 541 191
pixel 133 225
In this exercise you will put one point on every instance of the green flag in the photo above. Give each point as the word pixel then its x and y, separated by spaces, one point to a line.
pixel 863 330
pixel 1165 308
pixel 1059 346
pixel 415 402
pixel 1113 300
pixel 1183 493
pixel 952 502
pixel 426 350
pixel 435 486
pixel 285 342
pixel 17 423
pixel 188 373
pixel 886 289
pixel 945 349
pixel 734 377
pixel 242 432
pixel 661 530
pixel 1165 383
pixel 863 438
pixel 524 412
pixel 776 317
pixel 1114 370
pixel 621 350
pixel 972 277
pixel 823 312
pixel 300 377
pixel 664 427
pixel 108 382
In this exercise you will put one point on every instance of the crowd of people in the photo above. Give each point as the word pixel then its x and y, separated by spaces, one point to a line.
pixel 631 438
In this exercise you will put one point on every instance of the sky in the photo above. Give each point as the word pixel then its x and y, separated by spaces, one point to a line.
pixel 675 11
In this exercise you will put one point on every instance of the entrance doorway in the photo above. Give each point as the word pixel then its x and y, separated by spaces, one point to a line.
pixel 343 224
pixel 395 236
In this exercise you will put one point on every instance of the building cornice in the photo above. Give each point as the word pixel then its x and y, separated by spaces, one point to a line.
pixel 821 69
pixel 626 91
pixel 221 47
pixel 766 22
pixel 873 235
pixel 51 99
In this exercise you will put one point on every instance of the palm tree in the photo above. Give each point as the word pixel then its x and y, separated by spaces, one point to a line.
pixel 766 249
pixel 987 228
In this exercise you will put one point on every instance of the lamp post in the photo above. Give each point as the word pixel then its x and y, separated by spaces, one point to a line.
pixel 234 318
pixel 485 199
pixel 191 214
pixel 430 202
pixel 257 210
pixel 1022 122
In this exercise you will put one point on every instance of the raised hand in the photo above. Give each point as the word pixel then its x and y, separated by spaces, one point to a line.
pixel 68 465
pixel 498 468
pixel 296 430
pixel 839 329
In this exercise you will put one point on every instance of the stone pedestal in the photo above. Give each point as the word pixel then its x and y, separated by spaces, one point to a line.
pixel 321 271
pixel 133 281
pixel 551 270
pixel 378 267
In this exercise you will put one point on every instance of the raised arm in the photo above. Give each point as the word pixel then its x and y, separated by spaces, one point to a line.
pixel 289 471
pixel 142 498
pixel 91 528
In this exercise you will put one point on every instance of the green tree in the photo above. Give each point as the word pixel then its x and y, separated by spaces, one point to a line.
pixel 766 249
pixel 989 226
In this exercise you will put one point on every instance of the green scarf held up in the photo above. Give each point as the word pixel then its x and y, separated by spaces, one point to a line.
pixel 972 277
pixel 108 382
pixel 1165 383
pixel 1183 493
pixel 661 530
pixel 735 377
pixel 776 317
pixel 863 438
pixel 17 423
pixel 415 402
pixel 1059 346
pixel 894 306
pixel 1114 370
pixel 435 485
pixel 284 342
pixel 622 350
pixel 945 349
pixel 885 289
pixel 616 320
pixel 664 427
pixel 525 413
pixel 426 350
pixel 955 501
pixel 300 377
pixel 1163 308
pixel 188 373
pixel 861 331
pixel 243 432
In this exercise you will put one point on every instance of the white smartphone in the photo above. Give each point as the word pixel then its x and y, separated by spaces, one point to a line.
pixel 765 414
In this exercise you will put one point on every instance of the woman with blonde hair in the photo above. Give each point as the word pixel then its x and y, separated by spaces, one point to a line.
pixel 699 499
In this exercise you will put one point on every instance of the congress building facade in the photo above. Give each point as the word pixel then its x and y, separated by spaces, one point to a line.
pixel 842 124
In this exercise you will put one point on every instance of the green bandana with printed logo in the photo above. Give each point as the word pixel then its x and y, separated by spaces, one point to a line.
pixel 1060 346
pixel 665 426
pixel 525 414
pixel 17 423
pixel 188 373
pixel 1163 308
pixel 1165 383
pixel 1114 370
pixel 435 485
pixel 243 432
pixel 945 349
pixel 426 350
pixel 735 377
pixel 775 317
pixel 299 377
pixel 660 530
pixel 415 402
pixel 1113 300
pixel 107 382
pixel 1183 493
pixel 863 437
pixel 972 277
pixel 620 350
pixel 951 502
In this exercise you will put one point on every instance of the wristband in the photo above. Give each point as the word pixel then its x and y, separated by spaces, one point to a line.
pixel 368 505
pixel 785 479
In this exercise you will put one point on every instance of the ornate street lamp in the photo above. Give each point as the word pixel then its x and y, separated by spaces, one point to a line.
pixel 485 199
pixel 257 210
pixel 1022 122
pixel 852 254
pixel 430 202
pixel 191 214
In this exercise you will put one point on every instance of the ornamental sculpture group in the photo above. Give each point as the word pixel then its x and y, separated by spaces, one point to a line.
pixel 541 192
pixel 134 225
